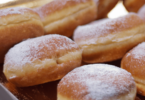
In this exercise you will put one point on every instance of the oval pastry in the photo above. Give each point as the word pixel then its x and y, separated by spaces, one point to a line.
pixel 97 82
pixel 134 63
pixel 111 39
pixel 40 60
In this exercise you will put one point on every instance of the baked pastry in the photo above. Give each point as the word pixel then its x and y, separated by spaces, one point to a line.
pixel 63 16
pixel 104 7
pixel 17 24
pixel 97 82
pixel 134 63
pixel 40 60
pixel 141 13
pixel 133 5
pixel 111 39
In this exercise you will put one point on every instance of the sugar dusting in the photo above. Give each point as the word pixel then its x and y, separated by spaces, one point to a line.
pixel 32 49
pixel 92 32
pixel 14 10
pixel 138 52
pixel 102 81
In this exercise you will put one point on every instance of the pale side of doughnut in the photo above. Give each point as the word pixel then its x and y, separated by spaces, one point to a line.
pixel 111 37
pixel 141 13
pixel 17 24
pixel 97 82
pixel 104 7
pixel 39 60
pixel 63 16
pixel 134 62
pixel 133 5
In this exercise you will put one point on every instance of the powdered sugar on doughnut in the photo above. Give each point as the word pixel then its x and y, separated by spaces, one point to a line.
pixel 89 34
pixel 11 11
pixel 134 61
pixel 141 12
pixel 138 52
pixel 101 80
pixel 48 46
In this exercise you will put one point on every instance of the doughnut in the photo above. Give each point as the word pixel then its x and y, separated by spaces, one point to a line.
pixel 97 82
pixel 133 5
pixel 110 39
pixel 104 7
pixel 17 24
pixel 63 16
pixel 134 63
pixel 40 60
pixel 141 13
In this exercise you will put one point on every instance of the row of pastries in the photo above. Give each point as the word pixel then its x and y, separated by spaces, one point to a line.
pixel 50 42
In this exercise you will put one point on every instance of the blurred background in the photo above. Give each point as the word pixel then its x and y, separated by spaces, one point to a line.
pixel 22 3
pixel 119 9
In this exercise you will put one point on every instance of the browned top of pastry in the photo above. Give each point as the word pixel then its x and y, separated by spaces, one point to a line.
pixel 44 47
pixel 12 15
pixel 96 81
pixel 106 28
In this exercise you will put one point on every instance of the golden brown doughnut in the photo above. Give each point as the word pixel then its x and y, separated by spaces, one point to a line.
pixel 104 7
pixel 17 24
pixel 40 60
pixel 141 13
pixel 134 62
pixel 111 39
pixel 133 5
pixel 97 82
pixel 63 16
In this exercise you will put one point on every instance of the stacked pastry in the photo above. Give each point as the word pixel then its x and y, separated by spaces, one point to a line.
pixel 47 58
pixel 52 57
pixel 109 40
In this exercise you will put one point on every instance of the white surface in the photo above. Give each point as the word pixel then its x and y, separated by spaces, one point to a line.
pixel 118 11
